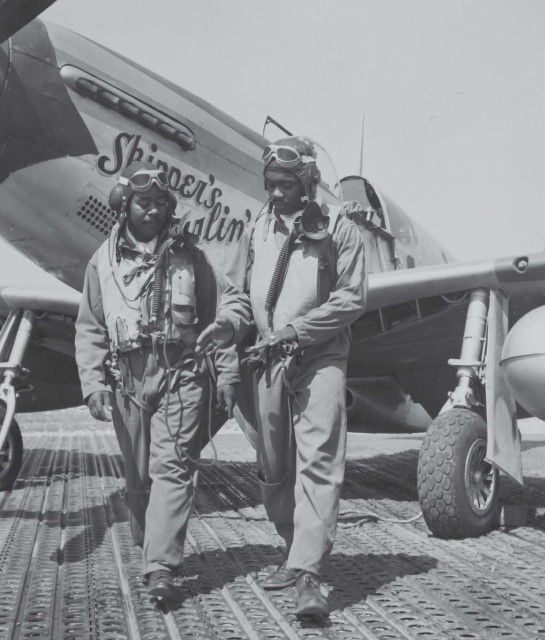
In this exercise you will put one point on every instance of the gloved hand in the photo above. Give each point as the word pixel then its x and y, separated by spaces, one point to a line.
pixel 218 334
pixel 100 405
pixel 226 396
pixel 287 334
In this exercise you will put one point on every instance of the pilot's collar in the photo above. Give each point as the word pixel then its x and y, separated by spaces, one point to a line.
pixel 138 245
pixel 286 222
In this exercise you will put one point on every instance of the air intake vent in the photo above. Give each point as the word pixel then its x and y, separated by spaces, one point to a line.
pixel 111 97
pixel 97 215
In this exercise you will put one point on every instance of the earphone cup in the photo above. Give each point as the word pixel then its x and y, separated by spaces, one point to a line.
pixel 116 197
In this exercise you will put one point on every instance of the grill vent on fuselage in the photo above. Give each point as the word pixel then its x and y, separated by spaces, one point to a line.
pixel 97 214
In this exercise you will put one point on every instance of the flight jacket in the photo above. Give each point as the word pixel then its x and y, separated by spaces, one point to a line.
pixel 93 342
pixel 342 288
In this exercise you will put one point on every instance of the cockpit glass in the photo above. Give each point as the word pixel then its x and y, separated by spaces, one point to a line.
pixel 353 189
pixel 330 187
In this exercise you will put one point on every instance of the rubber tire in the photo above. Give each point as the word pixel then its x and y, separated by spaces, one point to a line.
pixel 442 493
pixel 15 441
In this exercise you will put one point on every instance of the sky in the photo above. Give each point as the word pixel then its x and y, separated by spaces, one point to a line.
pixel 452 93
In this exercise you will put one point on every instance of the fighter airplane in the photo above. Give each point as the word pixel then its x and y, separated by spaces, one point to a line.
pixel 73 114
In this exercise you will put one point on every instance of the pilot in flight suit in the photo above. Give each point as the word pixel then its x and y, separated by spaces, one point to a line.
pixel 302 285
pixel 146 297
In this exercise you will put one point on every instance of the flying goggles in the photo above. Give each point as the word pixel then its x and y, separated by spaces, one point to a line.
pixel 144 179
pixel 286 157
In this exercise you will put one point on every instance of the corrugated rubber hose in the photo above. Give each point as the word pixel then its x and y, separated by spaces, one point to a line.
pixel 158 282
pixel 277 277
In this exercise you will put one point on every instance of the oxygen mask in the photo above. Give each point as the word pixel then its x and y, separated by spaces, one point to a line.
pixel 313 223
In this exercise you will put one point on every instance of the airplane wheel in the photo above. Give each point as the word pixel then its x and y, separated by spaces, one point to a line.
pixel 457 489
pixel 11 456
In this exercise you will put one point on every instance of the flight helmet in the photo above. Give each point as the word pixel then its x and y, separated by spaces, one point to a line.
pixel 295 155
pixel 139 177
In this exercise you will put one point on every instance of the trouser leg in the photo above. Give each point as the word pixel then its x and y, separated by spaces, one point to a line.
pixel 174 434
pixel 131 426
pixel 320 434
pixel 275 454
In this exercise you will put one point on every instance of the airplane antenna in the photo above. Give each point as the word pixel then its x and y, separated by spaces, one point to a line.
pixel 361 143
pixel 275 122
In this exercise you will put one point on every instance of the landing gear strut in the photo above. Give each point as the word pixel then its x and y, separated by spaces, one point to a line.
pixel 457 487
pixel 14 338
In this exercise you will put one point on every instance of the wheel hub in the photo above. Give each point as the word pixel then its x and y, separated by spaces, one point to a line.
pixel 480 478
pixel 6 458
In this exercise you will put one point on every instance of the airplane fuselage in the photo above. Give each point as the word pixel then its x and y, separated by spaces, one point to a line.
pixel 73 114
pixel 90 112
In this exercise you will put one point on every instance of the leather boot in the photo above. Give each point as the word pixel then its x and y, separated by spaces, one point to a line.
pixel 310 600
pixel 283 577
pixel 160 583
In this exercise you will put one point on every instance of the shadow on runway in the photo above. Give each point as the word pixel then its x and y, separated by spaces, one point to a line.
pixel 233 485
pixel 351 578
pixel 224 487
pixel 356 577
pixel 85 527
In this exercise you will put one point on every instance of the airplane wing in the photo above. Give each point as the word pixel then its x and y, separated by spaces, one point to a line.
pixel 510 274
pixel 415 323
pixel 411 327
pixel 53 382
pixel 43 300
pixel 415 319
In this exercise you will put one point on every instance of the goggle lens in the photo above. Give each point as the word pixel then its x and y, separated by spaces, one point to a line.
pixel 143 181
pixel 283 154
pixel 286 157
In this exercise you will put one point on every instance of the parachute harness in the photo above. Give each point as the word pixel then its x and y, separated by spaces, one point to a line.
pixel 171 375
pixel 153 264
pixel 159 266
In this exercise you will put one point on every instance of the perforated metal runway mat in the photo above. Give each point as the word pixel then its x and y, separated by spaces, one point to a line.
pixel 69 571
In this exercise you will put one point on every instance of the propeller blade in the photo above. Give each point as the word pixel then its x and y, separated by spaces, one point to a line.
pixel 15 14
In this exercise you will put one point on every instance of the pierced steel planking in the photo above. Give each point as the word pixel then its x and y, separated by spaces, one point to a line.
pixel 69 569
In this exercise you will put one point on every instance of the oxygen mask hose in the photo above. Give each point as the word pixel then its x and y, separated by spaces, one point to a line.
pixel 278 276
pixel 158 283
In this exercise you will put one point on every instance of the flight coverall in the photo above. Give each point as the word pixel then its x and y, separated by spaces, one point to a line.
pixel 160 388
pixel 299 398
